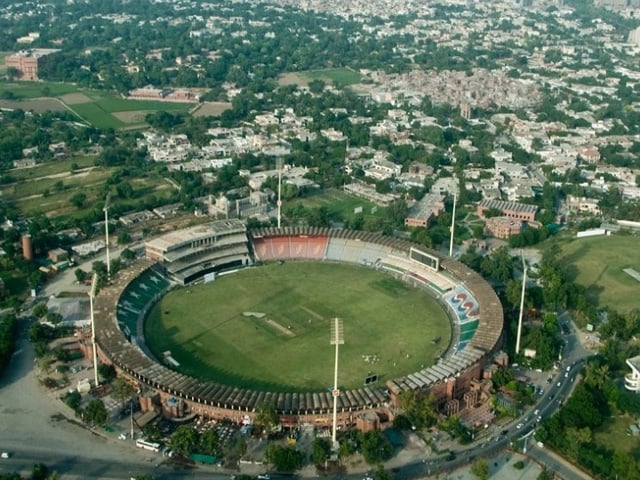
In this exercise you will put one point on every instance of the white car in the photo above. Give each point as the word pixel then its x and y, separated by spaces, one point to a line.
pixel 519 426
pixel 5 455
pixel 122 436
pixel 559 383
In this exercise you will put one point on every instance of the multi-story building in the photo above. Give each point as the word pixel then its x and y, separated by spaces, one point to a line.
pixel 189 254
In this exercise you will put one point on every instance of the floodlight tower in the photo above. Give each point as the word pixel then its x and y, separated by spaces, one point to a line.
pixel 279 167
pixel 106 233
pixel 524 285
pixel 337 338
pixel 92 296
pixel 453 225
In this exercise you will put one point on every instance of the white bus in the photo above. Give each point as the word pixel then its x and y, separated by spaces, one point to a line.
pixel 154 447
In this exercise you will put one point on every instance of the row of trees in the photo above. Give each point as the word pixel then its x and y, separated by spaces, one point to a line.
pixel 8 327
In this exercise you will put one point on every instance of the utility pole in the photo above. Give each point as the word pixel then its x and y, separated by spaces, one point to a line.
pixel 92 295
pixel 524 286
pixel 106 233
pixel 279 167
pixel 453 225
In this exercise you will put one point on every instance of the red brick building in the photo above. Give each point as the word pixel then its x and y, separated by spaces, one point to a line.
pixel 514 210
pixel 27 61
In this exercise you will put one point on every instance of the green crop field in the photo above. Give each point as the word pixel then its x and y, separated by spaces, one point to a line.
pixel 269 327
pixel 342 77
pixel 97 116
pixel 35 89
pixel 597 263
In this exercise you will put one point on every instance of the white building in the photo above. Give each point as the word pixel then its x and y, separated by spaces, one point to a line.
pixel 632 380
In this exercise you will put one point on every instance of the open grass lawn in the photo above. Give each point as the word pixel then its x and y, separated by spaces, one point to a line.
pixel 340 203
pixel 388 327
pixel 597 263
pixel 615 434
pixel 341 77
pixel 52 168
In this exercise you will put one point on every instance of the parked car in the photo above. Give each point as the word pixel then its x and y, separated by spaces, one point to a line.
pixel 5 455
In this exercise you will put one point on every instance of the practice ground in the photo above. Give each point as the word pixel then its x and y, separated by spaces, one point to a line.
pixel 597 263
pixel 216 331
pixel 341 77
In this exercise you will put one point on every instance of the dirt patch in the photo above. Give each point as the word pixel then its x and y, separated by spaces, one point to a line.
pixel 211 109
pixel 75 98
pixel 134 116
pixel 293 79
pixel 38 105
pixel 311 312
pixel 280 328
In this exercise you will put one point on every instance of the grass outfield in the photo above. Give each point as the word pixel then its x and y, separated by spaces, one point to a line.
pixel 597 263
pixel 387 322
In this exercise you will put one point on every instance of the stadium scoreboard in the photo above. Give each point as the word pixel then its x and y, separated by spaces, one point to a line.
pixel 430 261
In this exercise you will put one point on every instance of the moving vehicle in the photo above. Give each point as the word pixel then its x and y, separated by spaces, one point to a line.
pixel 151 446
pixel 5 455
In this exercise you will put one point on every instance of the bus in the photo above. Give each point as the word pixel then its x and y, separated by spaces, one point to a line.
pixel 154 447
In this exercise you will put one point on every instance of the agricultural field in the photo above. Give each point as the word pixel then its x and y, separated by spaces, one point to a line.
pixel 269 327
pixel 598 263
pixel 100 109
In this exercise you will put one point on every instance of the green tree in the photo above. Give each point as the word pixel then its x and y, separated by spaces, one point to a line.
pixel 320 450
pixel 480 468
pixel 78 199
pixel 40 310
pixel 107 372
pixel 209 442
pixel 73 399
pixel 39 471
pixel 284 459
pixel 122 390
pixel 382 474
pixel 127 254
pixel 376 448
pixel 95 413
pixel 54 318
pixel 184 439
pixel 80 275
pixel 124 237
pixel 267 417
pixel 545 475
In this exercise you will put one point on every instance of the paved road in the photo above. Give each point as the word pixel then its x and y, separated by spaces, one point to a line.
pixel 33 430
